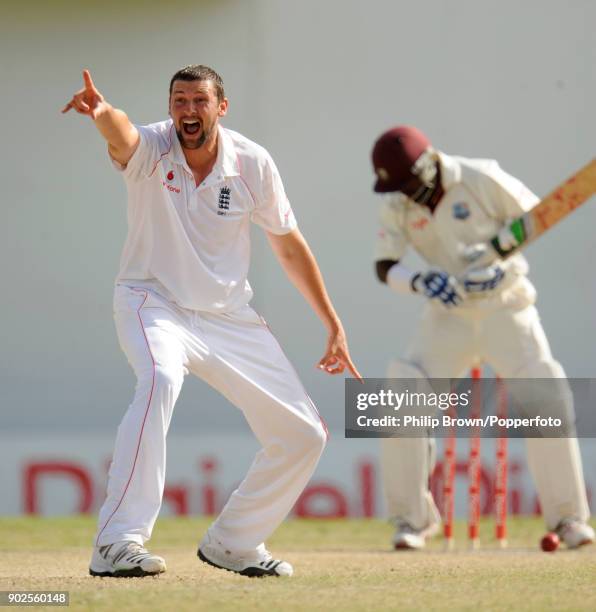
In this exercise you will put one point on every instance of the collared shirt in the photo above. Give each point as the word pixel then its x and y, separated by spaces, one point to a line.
pixel 191 243
pixel 479 198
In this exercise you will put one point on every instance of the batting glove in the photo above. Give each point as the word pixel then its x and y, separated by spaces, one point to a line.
pixel 479 280
pixel 482 255
pixel 436 284
pixel 506 239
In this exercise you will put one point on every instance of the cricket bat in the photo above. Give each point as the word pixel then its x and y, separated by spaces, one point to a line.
pixel 568 196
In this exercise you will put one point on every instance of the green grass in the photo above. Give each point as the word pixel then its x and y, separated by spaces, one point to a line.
pixel 339 565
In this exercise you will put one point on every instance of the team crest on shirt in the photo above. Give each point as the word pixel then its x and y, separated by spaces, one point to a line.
pixel 461 210
pixel 224 201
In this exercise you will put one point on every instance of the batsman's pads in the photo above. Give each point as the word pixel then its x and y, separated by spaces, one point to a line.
pixel 436 284
pixel 405 376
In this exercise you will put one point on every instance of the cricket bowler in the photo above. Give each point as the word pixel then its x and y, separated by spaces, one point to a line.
pixel 181 305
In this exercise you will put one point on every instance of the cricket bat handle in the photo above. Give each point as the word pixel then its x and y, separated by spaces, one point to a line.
pixel 562 201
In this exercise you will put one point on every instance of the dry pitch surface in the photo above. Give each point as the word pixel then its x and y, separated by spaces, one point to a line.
pixel 339 565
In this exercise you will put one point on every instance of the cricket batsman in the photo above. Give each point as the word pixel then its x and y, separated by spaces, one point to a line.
pixel 446 207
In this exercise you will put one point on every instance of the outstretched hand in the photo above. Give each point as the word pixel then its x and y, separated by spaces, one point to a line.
pixel 337 356
pixel 86 101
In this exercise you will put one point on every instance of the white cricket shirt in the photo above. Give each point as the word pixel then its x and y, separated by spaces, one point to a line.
pixel 189 243
pixel 479 197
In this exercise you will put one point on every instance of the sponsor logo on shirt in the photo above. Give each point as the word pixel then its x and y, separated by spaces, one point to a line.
pixel 461 210
pixel 224 200
pixel 170 177
pixel 170 187
pixel 420 223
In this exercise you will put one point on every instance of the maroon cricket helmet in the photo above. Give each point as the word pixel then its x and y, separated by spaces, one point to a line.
pixel 394 154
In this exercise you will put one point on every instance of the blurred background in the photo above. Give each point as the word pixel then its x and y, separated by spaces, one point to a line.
pixel 315 83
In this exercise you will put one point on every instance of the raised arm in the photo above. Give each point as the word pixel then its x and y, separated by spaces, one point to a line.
pixel 113 124
pixel 299 264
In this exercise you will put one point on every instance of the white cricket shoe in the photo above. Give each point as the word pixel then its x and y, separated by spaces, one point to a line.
pixel 254 564
pixel 407 537
pixel 574 533
pixel 125 559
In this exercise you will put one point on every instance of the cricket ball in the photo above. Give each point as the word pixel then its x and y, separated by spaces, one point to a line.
pixel 550 542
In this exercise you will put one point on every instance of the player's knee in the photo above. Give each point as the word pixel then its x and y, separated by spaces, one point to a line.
pixel 167 377
pixel 315 437
pixel 543 368
pixel 542 389
pixel 306 439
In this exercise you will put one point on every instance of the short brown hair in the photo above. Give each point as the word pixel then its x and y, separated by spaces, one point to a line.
pixel 198 72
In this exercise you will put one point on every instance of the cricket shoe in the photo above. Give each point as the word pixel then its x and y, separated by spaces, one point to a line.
pixel 574 533
pixel 254 564
pixel 407 537
pixel 125 560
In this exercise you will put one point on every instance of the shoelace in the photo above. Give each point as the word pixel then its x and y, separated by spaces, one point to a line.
pixel 136 553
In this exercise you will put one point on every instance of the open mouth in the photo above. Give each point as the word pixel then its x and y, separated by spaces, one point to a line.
pixel 191 126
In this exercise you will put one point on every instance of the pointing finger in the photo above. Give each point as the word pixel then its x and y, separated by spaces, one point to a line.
pixel 350 365
pixel 88 81
pixel 355 372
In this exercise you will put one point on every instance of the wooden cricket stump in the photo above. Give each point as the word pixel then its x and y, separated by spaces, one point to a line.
pixel 474 474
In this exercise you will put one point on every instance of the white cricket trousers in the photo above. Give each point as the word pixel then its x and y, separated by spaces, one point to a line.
pixel 447 344
pixel 236 354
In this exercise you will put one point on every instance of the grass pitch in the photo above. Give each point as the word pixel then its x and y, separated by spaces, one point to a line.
pixel 338 565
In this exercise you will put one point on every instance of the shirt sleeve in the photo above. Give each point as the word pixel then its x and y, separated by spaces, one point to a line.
pixel 507 196
pixel 272 209
pixel 392 242
pixel 143 161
